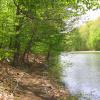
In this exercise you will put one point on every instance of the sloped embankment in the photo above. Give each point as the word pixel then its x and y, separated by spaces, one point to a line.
pixel 16 84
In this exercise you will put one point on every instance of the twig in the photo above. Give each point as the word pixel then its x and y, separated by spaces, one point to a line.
pixel 17 84
pixel 26 13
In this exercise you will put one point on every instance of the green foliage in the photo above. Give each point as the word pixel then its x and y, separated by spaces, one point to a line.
pixel 35 26
pixel 91 34
pixel 5 54
pixel 87 37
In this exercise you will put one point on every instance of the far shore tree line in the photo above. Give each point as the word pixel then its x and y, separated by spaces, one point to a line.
pixel 84 38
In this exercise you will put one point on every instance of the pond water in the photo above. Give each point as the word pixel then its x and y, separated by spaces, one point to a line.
pixel 81 74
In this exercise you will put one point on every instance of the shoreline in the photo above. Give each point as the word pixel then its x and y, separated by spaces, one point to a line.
pixel 37 85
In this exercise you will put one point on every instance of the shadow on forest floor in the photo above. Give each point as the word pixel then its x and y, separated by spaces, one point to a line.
pixel 36 85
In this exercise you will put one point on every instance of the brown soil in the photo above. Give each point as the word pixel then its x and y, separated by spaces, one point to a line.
pixel 36 85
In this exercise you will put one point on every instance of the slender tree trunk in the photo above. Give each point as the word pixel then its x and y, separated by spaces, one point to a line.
pixel 11 42
pixel 28 49
pixel 48 55
pixel 16 59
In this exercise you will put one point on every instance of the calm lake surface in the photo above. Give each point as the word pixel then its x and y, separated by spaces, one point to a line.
pixel 81 74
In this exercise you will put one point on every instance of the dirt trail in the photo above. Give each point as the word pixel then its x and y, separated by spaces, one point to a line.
pixel 31 86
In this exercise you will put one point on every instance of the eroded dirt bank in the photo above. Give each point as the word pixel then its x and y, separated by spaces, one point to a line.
pixel 17 84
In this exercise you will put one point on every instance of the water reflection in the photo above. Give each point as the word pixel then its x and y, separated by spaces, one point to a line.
pixel 81 74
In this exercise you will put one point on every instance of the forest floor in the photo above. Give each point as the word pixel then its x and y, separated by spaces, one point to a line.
pixel 19 84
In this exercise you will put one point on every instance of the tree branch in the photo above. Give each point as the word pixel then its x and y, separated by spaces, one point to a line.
pixel 26 13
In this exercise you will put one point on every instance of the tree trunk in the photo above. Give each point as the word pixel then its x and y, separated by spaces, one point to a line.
pixel 16 58
pixel 28 49
pixel 48 58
